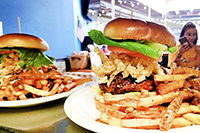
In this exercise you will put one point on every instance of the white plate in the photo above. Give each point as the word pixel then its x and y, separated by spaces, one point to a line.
pixel 40 100
pixel 80 108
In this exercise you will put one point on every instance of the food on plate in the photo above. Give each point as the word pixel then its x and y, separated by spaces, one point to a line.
pixel 26 72
pixel 149 109
pixel 35 83
pixel 134 90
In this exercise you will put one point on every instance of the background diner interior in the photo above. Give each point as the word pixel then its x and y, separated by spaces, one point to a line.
pixel 65 27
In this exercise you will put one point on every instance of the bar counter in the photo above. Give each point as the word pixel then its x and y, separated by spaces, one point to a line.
pixel 44 118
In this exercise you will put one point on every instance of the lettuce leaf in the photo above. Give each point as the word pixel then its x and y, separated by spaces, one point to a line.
pixel 100 39
pixel 173 49
pixel 32 57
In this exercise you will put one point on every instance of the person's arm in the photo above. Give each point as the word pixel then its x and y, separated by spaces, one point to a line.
pixel 177 60
pixel 183 48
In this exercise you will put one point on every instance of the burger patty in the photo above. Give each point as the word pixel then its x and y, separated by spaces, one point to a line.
pixel 121 85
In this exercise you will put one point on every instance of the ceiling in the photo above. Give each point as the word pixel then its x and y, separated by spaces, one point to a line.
pixel 173 13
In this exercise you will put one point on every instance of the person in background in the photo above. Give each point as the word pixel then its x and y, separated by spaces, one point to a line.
pixel 105 50
pixel 187 54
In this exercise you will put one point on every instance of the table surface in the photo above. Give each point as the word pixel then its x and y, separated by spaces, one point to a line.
pixel 45 118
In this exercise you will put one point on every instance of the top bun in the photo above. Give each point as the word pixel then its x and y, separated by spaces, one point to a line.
pixel 136 29
pixel 23 41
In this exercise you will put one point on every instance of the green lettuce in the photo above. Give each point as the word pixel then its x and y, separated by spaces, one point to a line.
pixel 172 49
pixel 148 50
pixel 30 57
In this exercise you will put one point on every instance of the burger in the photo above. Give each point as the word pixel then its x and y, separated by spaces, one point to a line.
pixel 20 51
pixel 127 75
pixel 136 37
pixel 138 44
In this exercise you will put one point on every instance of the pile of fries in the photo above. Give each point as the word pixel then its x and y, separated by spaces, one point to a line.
pixel 176 103
pixel 35 83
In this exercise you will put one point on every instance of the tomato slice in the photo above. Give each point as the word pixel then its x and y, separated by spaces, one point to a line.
pixel 8 51
pixel 126 51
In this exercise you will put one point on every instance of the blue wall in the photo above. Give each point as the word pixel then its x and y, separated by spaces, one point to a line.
pixel 53 20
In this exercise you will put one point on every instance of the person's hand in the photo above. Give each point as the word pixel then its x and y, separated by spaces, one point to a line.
pixel 184 47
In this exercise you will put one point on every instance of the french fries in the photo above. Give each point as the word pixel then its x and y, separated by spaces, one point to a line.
pixel 172 109
pixel 165 78
pixel 175 104
pixel 37 83
pixel 186 70
pixel 194 118
pixel 35 90
pixel 165 88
